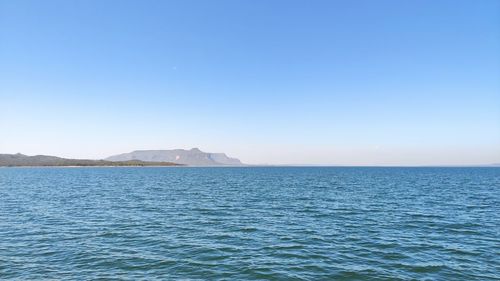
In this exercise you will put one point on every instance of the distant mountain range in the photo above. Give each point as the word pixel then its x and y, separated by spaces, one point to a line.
pixel 21 160
pixel 192 157
pixel 174 157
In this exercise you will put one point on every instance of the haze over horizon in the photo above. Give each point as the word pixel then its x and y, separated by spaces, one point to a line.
pixel 325 82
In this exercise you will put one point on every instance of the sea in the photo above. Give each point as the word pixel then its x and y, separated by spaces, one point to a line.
pixel 250 223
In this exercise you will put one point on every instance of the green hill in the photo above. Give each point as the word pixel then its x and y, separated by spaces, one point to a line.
pixel 21 160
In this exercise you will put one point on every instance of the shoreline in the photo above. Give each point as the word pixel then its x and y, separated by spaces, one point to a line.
pixel 245 166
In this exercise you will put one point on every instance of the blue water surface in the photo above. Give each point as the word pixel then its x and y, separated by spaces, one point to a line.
pixel 250 223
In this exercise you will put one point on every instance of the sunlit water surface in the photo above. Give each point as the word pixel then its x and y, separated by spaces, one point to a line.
pixel 250 223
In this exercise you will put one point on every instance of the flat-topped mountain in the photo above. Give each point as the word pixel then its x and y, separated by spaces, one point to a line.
pixel 193 157
pixel 21 160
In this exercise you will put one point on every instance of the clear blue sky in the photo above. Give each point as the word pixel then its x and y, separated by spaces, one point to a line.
pixel 303 82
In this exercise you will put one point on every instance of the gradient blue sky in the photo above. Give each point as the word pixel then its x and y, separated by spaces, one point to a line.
pixel 301 82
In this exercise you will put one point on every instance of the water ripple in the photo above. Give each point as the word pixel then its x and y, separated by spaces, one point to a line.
pixel 250 223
